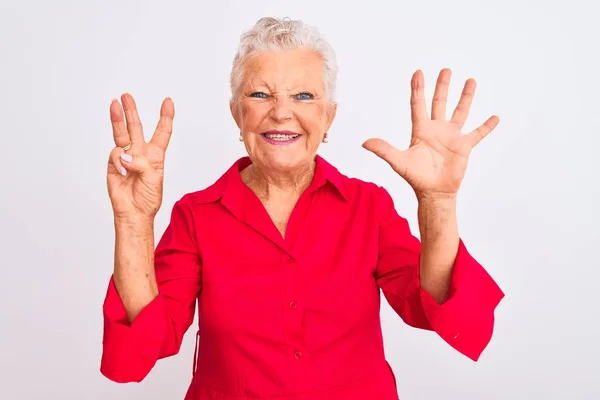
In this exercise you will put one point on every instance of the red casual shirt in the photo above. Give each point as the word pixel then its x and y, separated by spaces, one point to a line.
pixel 295 318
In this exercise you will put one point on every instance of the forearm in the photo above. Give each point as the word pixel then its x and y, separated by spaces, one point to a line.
pixel 134 275
pixel 439 244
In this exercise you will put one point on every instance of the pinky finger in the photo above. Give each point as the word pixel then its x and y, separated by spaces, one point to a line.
pixel 115 160
pixel 484 129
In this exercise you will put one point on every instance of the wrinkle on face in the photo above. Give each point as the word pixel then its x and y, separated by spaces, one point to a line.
pixel 283 78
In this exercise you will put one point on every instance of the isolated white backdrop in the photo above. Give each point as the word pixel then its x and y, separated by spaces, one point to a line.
pixel 528 207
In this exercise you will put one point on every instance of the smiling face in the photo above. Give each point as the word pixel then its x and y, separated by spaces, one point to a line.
pixel 282 109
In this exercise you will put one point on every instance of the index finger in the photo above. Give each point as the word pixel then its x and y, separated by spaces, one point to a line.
pixel 164 128
pixel 117 120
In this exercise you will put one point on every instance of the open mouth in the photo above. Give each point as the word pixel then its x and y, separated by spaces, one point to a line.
pixel 280 137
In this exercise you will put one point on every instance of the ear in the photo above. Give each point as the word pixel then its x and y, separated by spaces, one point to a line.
pixel 234 108
pixel 331 112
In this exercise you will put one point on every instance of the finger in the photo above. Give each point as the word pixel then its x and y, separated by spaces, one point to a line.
pixel 478 134
pixel 132 119
pixel 115 160
pixel 164 128
pixel 418 107
pixel 464 104
pixel 440 96
pixel 135 163
pixel 117 120
pixel 388 153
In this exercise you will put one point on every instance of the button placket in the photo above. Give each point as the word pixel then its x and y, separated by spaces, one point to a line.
pixel 292 317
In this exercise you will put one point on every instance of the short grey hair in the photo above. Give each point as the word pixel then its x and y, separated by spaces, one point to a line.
pixel 273 34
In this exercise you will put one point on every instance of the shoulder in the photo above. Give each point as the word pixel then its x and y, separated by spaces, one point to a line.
pixel 352 189
pixel 356 186
pixel 213 193
pixel 207 195
pixel 368 199
pixel 359 190
pixel 372 199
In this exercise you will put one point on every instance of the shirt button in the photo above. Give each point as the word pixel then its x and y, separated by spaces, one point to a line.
pixel 293 304
pixel 298 354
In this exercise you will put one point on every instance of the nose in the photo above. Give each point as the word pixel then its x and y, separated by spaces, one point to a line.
pixel 281 109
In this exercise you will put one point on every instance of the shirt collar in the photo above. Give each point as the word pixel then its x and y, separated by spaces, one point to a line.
pixel 326 173
pixel 230 186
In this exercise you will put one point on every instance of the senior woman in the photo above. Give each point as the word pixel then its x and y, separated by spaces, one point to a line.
pixel 284 255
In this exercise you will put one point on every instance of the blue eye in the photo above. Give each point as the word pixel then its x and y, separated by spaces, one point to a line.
pixel 304 96
pixel 259 95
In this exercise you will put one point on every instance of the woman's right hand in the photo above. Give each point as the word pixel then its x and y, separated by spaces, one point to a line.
pixel 135 176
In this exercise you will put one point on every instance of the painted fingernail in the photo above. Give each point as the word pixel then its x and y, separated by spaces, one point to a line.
pixel 123 171
pixel 126 157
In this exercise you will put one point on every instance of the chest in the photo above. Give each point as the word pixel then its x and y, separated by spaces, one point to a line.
pixel 280 214
pixel 318 273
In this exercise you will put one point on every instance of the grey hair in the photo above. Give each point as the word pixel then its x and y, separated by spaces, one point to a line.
pixel 272 34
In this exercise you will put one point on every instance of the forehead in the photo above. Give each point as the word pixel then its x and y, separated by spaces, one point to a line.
pixel 285 69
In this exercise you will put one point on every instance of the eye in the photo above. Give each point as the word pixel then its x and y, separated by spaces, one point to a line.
pixel 259 95
pixel 305 96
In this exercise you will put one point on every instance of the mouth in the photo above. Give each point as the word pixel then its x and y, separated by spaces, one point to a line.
pixel 280 137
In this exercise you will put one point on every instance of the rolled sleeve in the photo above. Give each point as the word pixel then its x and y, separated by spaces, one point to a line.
pixel 466 319
pixel 131 350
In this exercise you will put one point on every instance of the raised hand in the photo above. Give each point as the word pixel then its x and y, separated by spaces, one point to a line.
pixel 436 160
pixel 135 175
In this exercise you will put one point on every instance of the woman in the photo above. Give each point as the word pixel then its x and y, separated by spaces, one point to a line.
pixel 284 255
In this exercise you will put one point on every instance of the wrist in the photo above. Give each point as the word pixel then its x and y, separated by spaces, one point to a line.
pixel 442 201
pixel 137 222
pixel 436 215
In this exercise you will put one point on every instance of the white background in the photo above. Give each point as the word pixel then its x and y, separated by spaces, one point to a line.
pixel 528 206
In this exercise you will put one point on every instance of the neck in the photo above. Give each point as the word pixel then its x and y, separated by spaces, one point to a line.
pixel 267 183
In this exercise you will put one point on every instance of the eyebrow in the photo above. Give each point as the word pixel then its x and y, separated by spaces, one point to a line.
pixel 295 89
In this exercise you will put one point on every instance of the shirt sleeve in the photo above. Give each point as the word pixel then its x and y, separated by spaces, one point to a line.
pixel 130 350
pixel 466 319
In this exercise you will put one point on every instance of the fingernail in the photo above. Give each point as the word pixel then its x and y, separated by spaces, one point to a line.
pixel 126 157
pixel 123 171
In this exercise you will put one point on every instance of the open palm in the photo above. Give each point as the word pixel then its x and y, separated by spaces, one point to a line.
pixel 135 176
pixel 436 160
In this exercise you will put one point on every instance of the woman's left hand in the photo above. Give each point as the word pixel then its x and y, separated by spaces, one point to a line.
pixel 436 160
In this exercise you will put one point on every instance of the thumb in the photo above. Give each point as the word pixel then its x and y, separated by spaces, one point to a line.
pixel 382 149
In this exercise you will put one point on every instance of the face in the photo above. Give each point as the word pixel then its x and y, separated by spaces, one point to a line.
pixel 282 109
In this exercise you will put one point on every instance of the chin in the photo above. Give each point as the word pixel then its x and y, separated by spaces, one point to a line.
pixel 286 162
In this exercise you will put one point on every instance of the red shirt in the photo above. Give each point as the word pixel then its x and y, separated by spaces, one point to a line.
pixel 295 318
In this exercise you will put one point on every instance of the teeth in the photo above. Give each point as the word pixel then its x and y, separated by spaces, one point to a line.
pixel 281 137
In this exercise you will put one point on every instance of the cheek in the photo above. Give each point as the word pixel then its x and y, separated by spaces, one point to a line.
pixel 312 117
pixel 252 114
